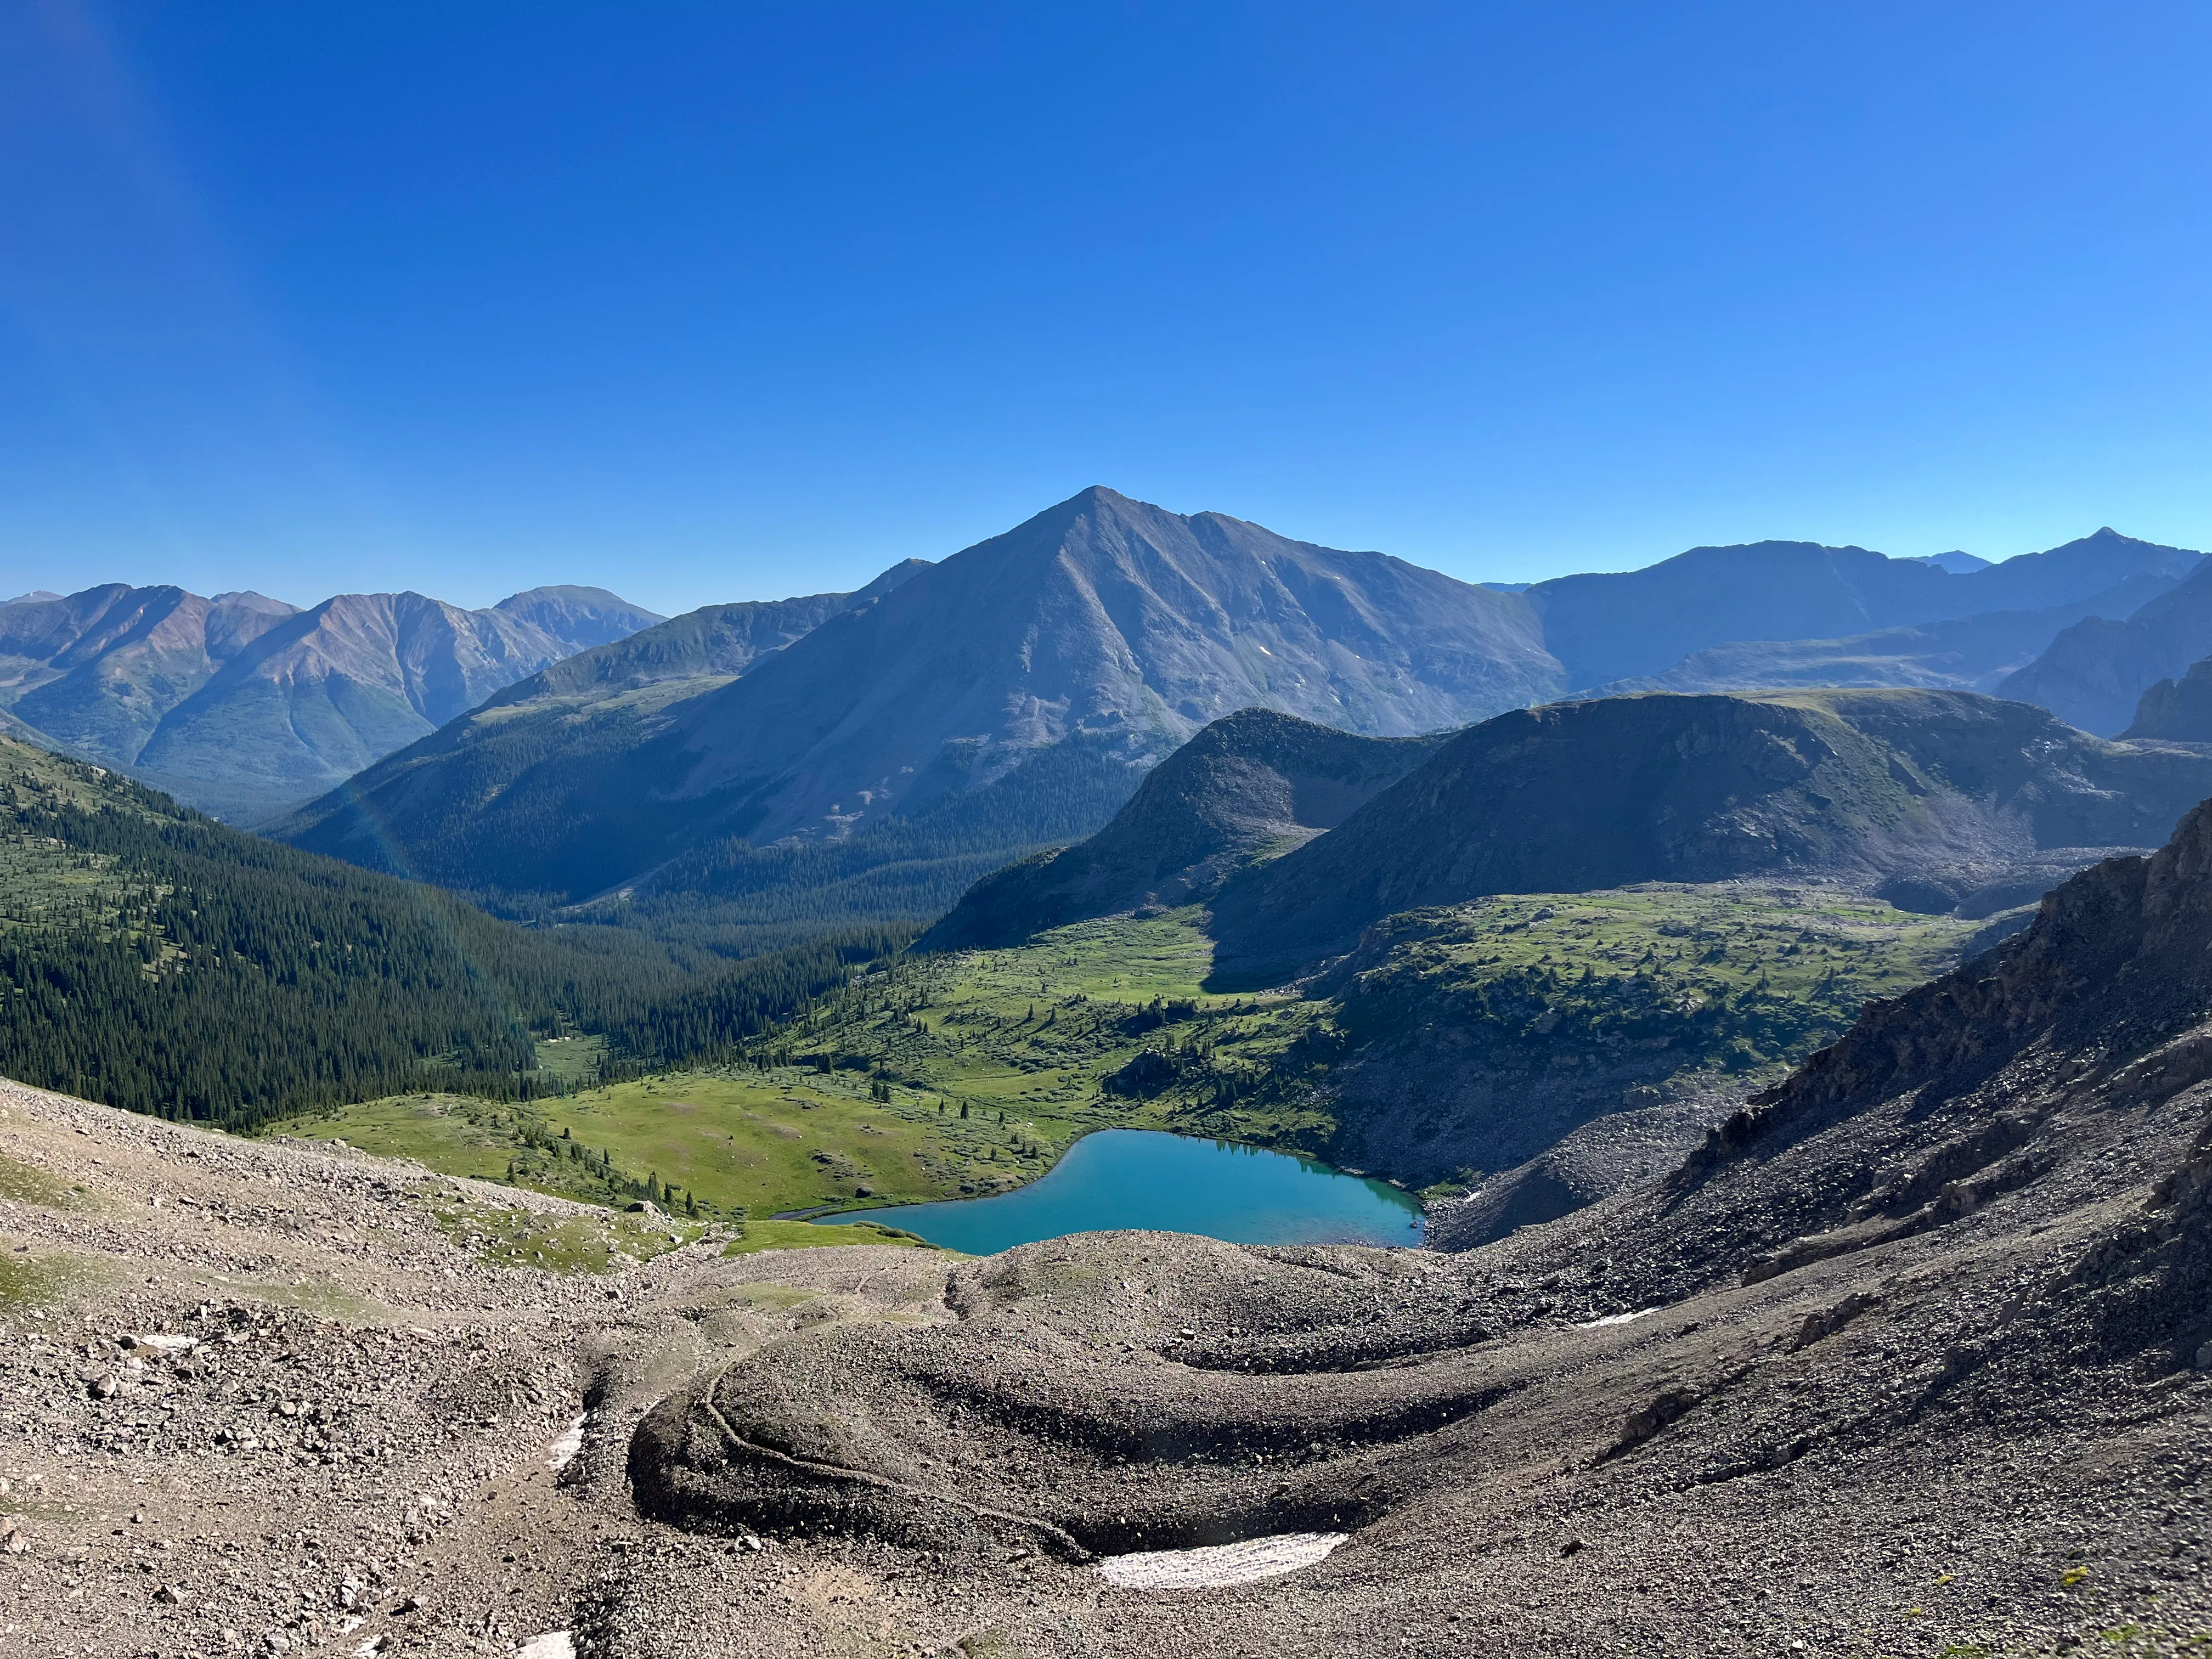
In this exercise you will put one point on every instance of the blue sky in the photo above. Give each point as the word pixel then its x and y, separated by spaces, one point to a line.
pixel 703 302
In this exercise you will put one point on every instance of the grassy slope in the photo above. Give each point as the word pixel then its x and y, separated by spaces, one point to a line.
pixel 1032 1033
pixel 945 1032
pixel 1793 963
pixel 1471 1037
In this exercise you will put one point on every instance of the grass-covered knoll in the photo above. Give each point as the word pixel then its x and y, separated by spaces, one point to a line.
pixel 946 1075
pixel 1740 975
pixel 26 1184
pixel 805 1236
pixel 29 1280
pixel 511 1235
pixel 1470 1039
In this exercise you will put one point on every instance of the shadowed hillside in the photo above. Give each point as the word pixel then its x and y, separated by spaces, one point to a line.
pixel 2178 710
pixel 1927 795
pixel 2096 672
pixel 1256 784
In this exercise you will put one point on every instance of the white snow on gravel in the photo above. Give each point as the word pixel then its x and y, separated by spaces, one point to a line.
pixel 557 1455
pixel 1614 1319
pixel 1219 1564
pixel 554 1644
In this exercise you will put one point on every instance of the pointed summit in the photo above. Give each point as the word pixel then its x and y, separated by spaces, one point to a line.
pixel 1073 650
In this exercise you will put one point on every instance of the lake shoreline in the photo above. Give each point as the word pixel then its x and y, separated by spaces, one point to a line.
pixel 1146 1179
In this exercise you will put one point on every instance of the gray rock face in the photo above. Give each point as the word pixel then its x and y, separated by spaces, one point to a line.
pixel 1606 1156
pixel 241 704
pixel 1253 785
pixel 2178 711
pixel 1859 787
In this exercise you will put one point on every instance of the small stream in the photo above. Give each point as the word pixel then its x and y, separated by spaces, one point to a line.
pixel 1170 1183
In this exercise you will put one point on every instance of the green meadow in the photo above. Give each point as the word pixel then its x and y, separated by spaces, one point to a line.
pixel 946 1077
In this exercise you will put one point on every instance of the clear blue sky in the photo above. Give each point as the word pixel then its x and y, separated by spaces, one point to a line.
pixel 709 302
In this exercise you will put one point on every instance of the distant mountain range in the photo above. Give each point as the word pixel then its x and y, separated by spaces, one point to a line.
pixel 879 750
pixel 909 731
pixel 2094 673
pixel 242 704
pixel 1775 614
pixel 1104 628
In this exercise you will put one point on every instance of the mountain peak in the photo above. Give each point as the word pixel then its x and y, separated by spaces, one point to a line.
pixel 891 580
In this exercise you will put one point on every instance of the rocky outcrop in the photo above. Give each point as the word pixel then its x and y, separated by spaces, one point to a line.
pixel 2177 710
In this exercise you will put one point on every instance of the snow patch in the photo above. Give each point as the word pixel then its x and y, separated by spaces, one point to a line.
pixel 564 1450
pixel 1219 1564
pixel 1615 1319
pixel 554 1644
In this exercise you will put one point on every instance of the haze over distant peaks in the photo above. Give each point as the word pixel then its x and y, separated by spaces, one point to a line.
pixel 242 703
pixel 1626 625
pixel 2094 673
pixel 1957 562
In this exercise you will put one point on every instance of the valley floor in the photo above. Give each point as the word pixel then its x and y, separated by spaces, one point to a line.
pixel 957 1076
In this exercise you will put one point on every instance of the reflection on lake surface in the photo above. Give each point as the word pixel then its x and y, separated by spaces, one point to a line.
pixel 1170 1184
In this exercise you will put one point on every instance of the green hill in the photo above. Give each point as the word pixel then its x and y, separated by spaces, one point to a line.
pixel 1250 786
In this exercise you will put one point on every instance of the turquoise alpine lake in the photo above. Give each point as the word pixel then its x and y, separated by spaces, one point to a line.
pixel 1168 1183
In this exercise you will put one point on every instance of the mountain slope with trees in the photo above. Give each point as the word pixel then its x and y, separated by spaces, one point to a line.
pixel 153 958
